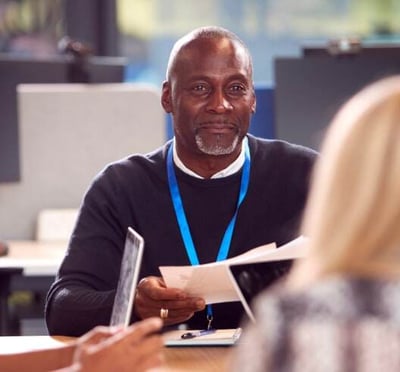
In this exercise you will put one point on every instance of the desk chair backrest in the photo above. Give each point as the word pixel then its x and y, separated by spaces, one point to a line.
pixel 55 224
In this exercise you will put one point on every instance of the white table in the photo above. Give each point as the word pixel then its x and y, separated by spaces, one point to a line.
pixel 35 258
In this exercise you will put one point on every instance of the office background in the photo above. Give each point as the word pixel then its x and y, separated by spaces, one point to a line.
pixel 143 32
pixel 59 149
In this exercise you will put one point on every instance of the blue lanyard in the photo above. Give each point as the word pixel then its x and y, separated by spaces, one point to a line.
pixel 182 220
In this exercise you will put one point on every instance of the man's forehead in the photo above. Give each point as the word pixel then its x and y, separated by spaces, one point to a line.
pixel 212 45
pixel 213 50
pixel 197 49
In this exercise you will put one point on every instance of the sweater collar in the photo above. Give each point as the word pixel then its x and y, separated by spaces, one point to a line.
pixel 229 170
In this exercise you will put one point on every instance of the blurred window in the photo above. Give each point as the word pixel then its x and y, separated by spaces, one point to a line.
pixel 31 27
pixel 148 28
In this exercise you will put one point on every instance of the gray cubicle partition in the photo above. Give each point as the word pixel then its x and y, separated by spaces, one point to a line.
pixel 68 133
pixel 17 69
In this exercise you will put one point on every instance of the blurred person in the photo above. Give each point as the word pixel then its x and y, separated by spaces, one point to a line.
pixel 338 310
pixel 135 348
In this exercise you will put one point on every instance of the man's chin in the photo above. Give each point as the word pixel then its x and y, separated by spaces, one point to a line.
pixel 217 146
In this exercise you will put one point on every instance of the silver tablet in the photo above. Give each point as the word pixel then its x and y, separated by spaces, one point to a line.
pixel 128 278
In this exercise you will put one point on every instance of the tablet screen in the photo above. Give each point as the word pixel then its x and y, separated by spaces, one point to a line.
pixel 251 278
pixel 129 273
pixel 254 277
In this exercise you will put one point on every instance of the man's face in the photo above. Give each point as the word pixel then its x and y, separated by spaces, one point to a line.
pixel 211 97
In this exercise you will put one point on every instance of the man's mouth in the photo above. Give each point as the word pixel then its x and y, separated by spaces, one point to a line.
pixel 216 127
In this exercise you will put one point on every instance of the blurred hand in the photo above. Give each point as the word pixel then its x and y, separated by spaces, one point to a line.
pixel 136 348
pixel 152 295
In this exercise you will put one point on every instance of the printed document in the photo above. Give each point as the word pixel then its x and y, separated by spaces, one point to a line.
pixel 213 282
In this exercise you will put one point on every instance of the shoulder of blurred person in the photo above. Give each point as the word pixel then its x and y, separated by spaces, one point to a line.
pixel 342 323
pixel 338 309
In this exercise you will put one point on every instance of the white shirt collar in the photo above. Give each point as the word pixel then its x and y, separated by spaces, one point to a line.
pixel 230 169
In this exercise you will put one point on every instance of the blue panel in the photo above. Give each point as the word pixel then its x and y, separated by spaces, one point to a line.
pixel 170 132
pixel 262 124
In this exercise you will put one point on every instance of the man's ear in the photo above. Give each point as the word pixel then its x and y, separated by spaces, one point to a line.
pixel 166 97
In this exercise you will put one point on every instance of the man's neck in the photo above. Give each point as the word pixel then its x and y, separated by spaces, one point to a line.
pixel 207 166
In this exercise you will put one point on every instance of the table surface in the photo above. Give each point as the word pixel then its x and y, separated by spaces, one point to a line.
pixel 195 359
pixel 34 257
pixel 43 258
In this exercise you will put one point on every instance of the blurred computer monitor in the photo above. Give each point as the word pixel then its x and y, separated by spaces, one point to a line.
pixel 309 90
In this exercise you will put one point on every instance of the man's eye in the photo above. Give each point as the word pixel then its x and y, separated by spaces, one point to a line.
pixel 237 88
pixel 200 88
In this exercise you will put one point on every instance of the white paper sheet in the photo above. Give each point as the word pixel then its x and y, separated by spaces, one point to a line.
pixel 212 281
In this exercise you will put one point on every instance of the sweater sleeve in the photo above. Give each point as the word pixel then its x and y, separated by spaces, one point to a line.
pixel 73 310
pixel 83 293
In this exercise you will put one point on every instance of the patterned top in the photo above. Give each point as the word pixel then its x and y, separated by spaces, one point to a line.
pixel 339 325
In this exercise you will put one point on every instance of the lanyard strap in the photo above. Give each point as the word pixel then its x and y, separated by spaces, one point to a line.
pixel 182 220
pixel 181 216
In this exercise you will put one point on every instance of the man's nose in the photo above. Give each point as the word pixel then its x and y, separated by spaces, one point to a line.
pixel 218 102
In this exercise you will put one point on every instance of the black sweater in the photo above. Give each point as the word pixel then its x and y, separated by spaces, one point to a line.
pixel 134 192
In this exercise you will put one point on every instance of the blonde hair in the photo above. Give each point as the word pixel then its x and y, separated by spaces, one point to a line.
pixel 353 214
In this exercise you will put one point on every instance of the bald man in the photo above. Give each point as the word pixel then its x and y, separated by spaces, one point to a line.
pixel 183 196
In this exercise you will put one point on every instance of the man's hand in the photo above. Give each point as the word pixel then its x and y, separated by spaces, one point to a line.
pixel 152 295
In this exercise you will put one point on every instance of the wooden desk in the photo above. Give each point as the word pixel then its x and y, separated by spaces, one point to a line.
pixel 29 265
pixel 194 359
pixel 39 260
pixel 198 359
